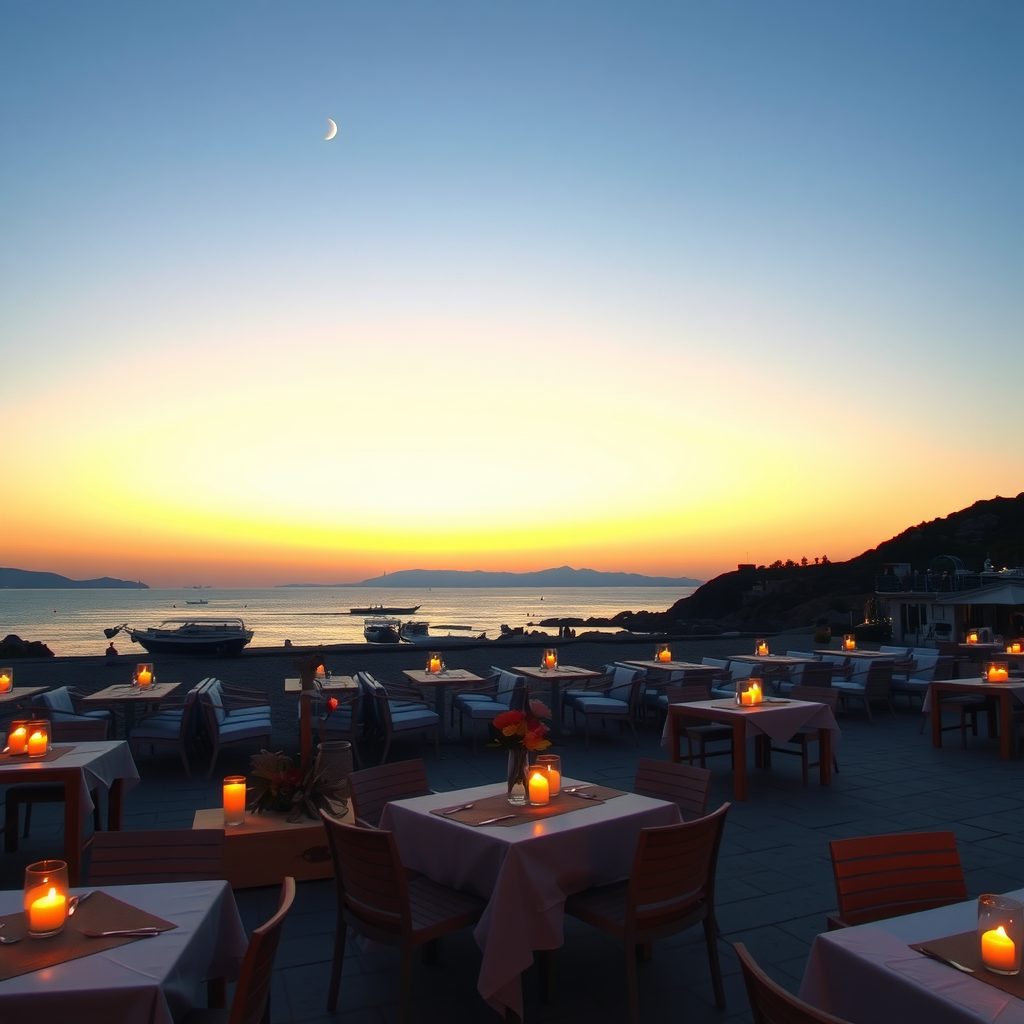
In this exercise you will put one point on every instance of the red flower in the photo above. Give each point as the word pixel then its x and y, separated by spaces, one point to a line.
pixel 332 703
pixel 539 710
pixel 508 718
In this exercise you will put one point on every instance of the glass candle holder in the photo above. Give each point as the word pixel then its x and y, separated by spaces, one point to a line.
pixel 144 677
pixel 17 737
pixel 997 672
pixel 234 800
pixel 761 648
pixel 1000 933
pixel 1014 648
pixel 550 659
pixel 435 663
pixel 38 742
pixel 46 898
pixel 971 638
pixel 538 790
pixel 6 680
pixel 663 653
pixel 751 694
pixel 849 642
pixel 551 765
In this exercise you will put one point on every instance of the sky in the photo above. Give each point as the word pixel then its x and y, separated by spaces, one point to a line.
pixel 647 287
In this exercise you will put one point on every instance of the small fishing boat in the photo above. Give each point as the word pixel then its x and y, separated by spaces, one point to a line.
pixel 419 633
pixel 380 609
pixel 212 637
pixel 382 631
pixel 201 600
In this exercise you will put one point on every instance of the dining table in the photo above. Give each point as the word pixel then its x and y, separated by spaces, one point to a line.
pixel 693 668
pixel 147 981
pixel 868 974
pixel 439 683
pixel 524 871
pixel 773 720
pixel 1004 693
pixel 556 679
pixel 81 767
pixel 130 696
pixel 18 694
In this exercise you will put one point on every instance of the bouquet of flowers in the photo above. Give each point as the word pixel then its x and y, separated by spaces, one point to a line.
pixel 520 733
pixel 280 784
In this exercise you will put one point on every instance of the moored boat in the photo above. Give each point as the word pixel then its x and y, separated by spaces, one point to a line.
pixel 419 633
pixel 211 637
pixel 380 609
pixel 382 631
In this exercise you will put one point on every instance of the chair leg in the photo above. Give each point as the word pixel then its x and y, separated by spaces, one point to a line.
pixel 405 986
pixel 803 760
pixel 336 965
pixel 716 970
pixel 28 812
pixel 631 986
pixel 437 742
pixel 387 747
pixel 636 739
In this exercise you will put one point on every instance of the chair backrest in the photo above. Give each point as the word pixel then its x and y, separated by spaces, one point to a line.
pixel 715 662
pixel 674 871
pixel 878 679
pixel 817 695
pixel 505 688
pixel 743 669
pixel 944 668
pixel 682 784
pixel 84 730
pixel 623 680
pixel 818 674
pixel 770 1003
pixel 56 700
pixel 372 890
pixel 163 855
pixel 372 788
pixel 253 989
pixel 688 694
pixel 890 875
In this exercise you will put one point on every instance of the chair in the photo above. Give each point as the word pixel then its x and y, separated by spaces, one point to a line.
pixel 174 725
pixel 251 1004
pixel 61 705
pixel 870 685
pixel 84 730
pixel 806 735
pixel 890 875
pixel 160 855
pixel 483 703
pixel 342 723
pixel 372 788
pixel 671 888
pixel 770 1003
pixel 818 673
pixel 234 715
pixel 399 715
pixel 376 899
pixel 697 730
pixel 682 784
pixel 618 703
pixel 929 669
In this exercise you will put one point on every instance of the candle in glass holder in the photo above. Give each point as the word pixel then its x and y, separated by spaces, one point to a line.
pixel 972 638
pixel 6 680
pixel 663 653
pixel 17 738
pixel 38 738
pixel 234 800
pixel 144 675
pixel 1000 933
pixel 755 693
pixel 997 672
pixel 46 897
pixel 539 791
pixel 550 658
pixel 551 764
pixel 761 648
pixel 435 664
pixel 1013 648
pixel 849 642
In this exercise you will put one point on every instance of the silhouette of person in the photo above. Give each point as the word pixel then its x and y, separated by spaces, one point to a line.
pixel 111 652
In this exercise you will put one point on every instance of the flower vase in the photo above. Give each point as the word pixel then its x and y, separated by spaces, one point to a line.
pixel 518 765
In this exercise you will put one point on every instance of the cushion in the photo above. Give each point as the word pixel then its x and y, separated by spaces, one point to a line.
pixel 231 731
pixel 622 683
pixel 595 705
pixel 58 700
pixel 424 719
pixel 157 727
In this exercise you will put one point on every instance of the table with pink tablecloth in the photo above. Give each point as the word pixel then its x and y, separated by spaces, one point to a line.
pixel 525 872
pixel 869 974
pixel 151 981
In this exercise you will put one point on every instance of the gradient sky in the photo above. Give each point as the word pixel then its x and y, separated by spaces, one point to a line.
pixel 636 286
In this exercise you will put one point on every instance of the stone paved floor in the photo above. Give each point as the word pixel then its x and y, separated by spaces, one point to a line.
pixel 774 879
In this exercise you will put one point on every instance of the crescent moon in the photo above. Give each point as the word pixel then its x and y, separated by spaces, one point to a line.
pixel 332 130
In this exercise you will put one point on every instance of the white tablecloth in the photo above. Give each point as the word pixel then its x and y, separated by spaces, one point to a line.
pixel 869 975
pixel 525 872
pixel 779 721
pixel 151 981
pixel 100 763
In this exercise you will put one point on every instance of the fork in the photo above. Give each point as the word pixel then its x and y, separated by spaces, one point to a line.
pixel 453 810
pixel 146 933
pixel 75 900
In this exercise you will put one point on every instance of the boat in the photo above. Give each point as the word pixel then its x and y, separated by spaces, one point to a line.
pixel 382 630
pixel 419 633
pixel 380 609
pixel 201 600
pixel 212 637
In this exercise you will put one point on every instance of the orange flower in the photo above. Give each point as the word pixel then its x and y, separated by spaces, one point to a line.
pixel 539 710
pixel 506 719
pixel 332 703
pixel 534 739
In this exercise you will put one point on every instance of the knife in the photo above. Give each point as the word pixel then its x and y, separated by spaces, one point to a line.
pixel 490 821
pixel 145 933
pixel 945 960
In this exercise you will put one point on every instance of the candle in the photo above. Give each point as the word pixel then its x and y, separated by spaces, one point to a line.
pixel 234 800
pixel 47 913
pixel 539 792
pixel 761 648
pixel 37 742
pixel 998 674
pixel 550 659
pixel 434 665
pixel 145 677
pixel 6 679
pixel 755 693
pixel 554 782
pixel 998 950
pixel 1013 649
pixel 746 697
pixel 17 741
pixel 663 653
pixel 849 642
pixel 972 638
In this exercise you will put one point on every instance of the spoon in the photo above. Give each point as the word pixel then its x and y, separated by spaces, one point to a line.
pixel 8 942
pixel 453 810
pixel 75 900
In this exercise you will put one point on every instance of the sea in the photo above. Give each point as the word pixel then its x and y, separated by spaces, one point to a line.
pixel 71 622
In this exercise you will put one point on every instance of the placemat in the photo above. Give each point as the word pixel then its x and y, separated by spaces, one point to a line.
pixel 966 949
pixel 100 912
pixel 498 807
pixel 51 755
pixel 732 706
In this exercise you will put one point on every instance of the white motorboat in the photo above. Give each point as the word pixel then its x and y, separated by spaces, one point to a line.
pixel 209 637
pixel 382 630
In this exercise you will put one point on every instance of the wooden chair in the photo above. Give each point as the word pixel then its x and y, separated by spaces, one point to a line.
pixel 618 704
pixel 671 888
pixel 682 784
pixel 82 730
pixel 889 875
pixel 376 899
pixel 372 788
pixel 251 1004
pixel 173 725
pixel 399 711
pixel 160 855
pixel 697 730
pixel 875 687
pixel 770 1003
pixel 806 735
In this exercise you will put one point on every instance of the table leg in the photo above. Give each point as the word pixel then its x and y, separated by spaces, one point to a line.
pixel 992 717
pixel 73 826
pixel 936 695
pixel 555 707
pixel 439 709
pixel 825 757
pixel 673 735
pixel 739 758
pixel 115 806
pixel 1005 724
pixel 129 718
pixel 763 751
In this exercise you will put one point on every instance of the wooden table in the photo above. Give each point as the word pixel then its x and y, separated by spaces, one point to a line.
pixel 20 693
pixel 555 678
pixel 769 721
pixel 440 681
pixel 1006 692
pixel 777 660
pixel 858 654
pixel 336 686
pixel 266 847
pixel 674 666
pixel 128 696
pixel 107 763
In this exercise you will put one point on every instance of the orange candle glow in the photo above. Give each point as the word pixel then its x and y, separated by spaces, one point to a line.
pixel 1013 649
pixel 998 950
pixel 17 741
pixel 849 642
pixel 234 800
pixel 6 679
pixel 539 791
pixel 550 659
pixel 663 653
pixel 746 697
pixel 434 665
pixel 37 742
pixel 47 913
pixel 144 677
pixel 998 673
pixel 755 693
pixel 761 648
pixel 972 638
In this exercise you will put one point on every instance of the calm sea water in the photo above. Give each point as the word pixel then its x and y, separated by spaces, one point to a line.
pixel 72 621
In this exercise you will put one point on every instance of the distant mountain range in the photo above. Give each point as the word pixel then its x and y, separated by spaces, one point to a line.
pixel 562 577
pixel 25 579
